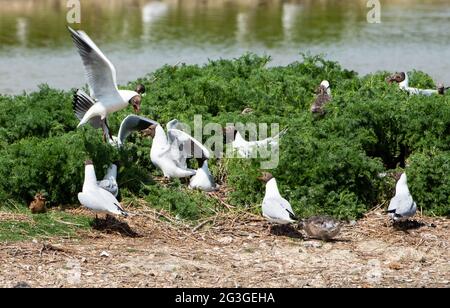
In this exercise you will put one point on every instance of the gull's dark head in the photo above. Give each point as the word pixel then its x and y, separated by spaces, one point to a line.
pixel 135 101
pixel 441 89
pixel 88 162
pixel 397 77
pixel 265 177
pixel 140 88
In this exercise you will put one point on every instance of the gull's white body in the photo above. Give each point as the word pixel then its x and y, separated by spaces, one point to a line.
pixel 274 207
pixel 402 206
pixel 166 154
pixel 203 179
pixel 404 85
pixel 96 198
pixel 326 85
pixel 109 182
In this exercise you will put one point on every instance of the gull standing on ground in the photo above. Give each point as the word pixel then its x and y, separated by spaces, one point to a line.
pixel 105 97
pixel 402 206
pixel 170 152
pixel 275 208
pixel 96 198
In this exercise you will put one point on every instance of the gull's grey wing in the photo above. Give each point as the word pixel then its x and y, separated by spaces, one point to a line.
pixel 100 72
pixel 133 123
pixel 277 208
pixel 187 145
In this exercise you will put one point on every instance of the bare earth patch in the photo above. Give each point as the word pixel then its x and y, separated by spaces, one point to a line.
pixel 232 251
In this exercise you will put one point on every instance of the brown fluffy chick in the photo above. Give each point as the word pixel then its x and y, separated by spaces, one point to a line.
pixel 321 227
pixel 38 205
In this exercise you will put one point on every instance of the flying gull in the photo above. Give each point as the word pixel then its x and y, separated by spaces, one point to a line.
pixel 105 97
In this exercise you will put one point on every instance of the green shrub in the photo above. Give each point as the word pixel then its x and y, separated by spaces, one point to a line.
pixel 327 165
pixel 429 181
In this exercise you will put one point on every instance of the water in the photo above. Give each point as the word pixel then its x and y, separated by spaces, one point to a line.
pixel 139 36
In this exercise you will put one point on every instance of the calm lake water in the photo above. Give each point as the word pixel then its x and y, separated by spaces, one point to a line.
pixel 140 36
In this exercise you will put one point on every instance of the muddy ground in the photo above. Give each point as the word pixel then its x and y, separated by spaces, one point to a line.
pixel 232 250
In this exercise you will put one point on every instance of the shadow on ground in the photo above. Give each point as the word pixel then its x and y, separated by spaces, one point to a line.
pixel 110 225
pixel 286 230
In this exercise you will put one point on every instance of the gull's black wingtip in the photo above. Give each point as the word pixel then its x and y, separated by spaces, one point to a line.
pixel 292 216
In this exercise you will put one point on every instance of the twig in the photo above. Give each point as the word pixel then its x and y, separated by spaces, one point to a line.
pixel 68 223
pixel 201 225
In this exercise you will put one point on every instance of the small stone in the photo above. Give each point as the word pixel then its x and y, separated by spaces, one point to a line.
pixel 104 254
pixel 313 244
pixel 225 240
pixel 395 266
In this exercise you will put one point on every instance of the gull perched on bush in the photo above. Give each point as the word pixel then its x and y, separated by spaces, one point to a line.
pixel 246 149
pixel 105 97
pixel 275 208
pixel 323 97
pixel 170 151
pixel 402 206
pixel 96 198
pixel 403 81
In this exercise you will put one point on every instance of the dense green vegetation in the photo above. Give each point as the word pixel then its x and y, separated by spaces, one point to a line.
pixel 327 165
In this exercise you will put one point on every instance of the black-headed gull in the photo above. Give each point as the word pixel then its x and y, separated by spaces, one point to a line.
pixel 323 97
pixel 275 208
pixel 402 205
pixel 245 148
pixel 321 227
pixel 105 97
pixel 109 182
pixel 403 81
pixel 170 152
pixel 203 179
pixel 96 198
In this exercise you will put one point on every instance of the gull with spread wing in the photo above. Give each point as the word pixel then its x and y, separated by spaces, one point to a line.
pixel 105 97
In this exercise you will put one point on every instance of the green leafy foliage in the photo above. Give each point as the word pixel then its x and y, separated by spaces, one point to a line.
pixel 327 165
